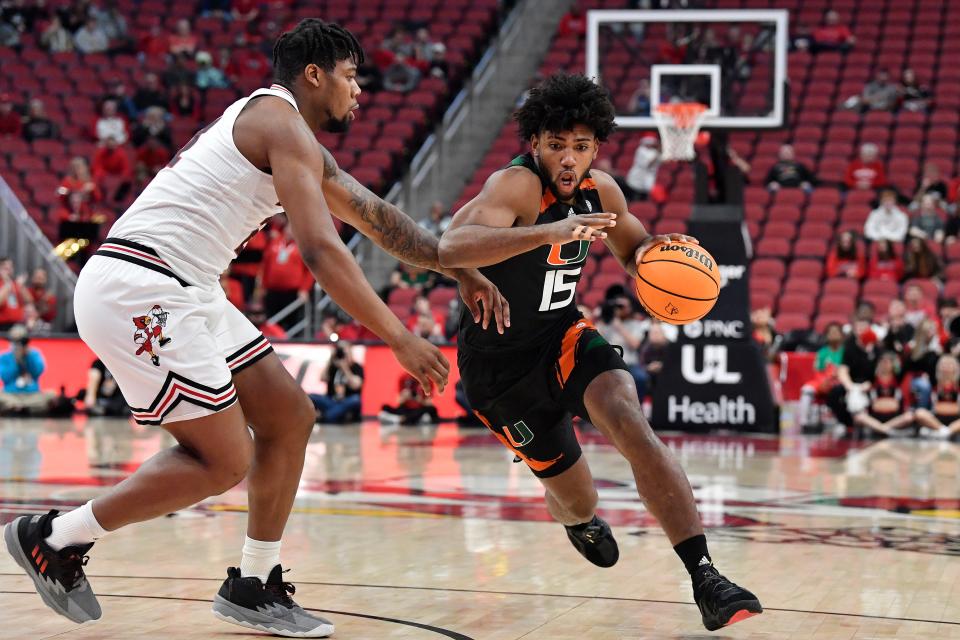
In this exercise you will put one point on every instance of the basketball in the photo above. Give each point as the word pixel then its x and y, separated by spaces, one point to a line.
pixel 678 282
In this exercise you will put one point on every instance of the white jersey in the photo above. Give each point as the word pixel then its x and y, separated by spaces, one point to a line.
pixel 200 210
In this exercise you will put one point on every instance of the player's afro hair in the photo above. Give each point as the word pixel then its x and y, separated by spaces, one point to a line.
pixel 562 101
pixel 313 41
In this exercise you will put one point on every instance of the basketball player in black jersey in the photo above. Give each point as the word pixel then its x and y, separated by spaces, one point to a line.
pixel 529 231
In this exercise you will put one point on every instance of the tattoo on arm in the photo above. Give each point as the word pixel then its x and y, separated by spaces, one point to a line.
pixel 392 229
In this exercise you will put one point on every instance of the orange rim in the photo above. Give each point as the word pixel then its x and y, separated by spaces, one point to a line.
pixel 684 114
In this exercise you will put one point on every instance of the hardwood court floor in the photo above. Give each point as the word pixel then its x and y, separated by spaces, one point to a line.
pixel 433 533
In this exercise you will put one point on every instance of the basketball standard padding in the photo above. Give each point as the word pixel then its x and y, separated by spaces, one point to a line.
pixel 678 282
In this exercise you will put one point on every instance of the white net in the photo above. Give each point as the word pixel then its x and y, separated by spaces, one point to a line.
pixel 679 124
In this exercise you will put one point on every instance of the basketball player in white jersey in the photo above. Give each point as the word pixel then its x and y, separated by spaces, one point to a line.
pixel 150 305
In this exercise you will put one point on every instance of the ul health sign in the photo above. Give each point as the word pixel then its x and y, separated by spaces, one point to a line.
pixel 715 376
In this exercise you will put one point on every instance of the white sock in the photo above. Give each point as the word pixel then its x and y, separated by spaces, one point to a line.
pixel 75 527
pixel 259 558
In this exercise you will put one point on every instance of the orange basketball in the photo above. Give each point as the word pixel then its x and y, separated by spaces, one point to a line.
pixel 678 282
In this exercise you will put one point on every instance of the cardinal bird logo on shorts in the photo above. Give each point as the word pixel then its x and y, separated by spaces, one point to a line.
pixel 149 329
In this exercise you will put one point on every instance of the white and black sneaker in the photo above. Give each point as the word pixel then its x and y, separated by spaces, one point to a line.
pixel 266 607
pixel 57 575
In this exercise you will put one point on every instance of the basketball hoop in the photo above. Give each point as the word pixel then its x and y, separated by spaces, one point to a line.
pixel 679 124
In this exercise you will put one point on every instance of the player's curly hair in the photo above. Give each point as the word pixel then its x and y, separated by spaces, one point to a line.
pixel 562 101
pixel 313 41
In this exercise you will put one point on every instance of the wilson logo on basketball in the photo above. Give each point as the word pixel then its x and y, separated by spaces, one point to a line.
pixel 705 260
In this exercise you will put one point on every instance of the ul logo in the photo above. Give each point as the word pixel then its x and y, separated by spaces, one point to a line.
pixel 714 365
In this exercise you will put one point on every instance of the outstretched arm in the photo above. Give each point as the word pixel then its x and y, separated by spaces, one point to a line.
pixel 500 223
pixel 397 234
pixel 297 165
pixel 382 222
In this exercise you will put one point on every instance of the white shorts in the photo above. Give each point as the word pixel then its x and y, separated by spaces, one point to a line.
pixel 172 347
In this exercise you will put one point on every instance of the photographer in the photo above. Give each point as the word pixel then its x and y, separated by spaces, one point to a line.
pixel 619 325
pixel 20 370
pixel 344 378
pixel 413 406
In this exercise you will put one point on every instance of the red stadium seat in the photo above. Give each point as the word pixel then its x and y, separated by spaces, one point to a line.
pixel 839 305
pixel 805 268
pixel 841 287
pixel 767 268
pixel 809 287
pixel 810 248
pixel 786 322
pixel 773 248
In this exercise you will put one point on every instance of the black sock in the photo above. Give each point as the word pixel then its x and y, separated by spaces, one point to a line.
pixel 692 552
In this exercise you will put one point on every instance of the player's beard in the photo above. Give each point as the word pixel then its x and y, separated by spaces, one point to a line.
pixel 337 125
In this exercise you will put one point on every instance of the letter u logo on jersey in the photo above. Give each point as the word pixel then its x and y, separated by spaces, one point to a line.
pixel 519 434
pixel 555 258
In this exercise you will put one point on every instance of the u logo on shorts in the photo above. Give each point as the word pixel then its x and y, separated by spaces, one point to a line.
pixel 519 434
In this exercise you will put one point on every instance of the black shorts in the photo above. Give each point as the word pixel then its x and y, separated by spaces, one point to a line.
pixel 526 398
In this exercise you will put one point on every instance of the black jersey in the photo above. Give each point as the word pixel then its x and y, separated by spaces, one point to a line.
pixel 541 284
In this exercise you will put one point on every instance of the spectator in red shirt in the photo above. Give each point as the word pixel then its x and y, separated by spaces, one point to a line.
pixel 245 10
pixel 111 160
pixel 573 23
pixel 76 210
pixel 258 316
pixel 183 42
pixel 78 178
pixel 885 264
pixel 112 166
pixel 232 289
pixel 846 260
pixel 157 43
pixel 246 62
pixel 866 172
pixel 11 295
pixel 41 297
pixel 10 121
pixel 153 156
pixel 832 36
pixel 283 276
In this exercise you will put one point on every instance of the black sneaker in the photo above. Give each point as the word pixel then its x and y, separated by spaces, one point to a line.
pixel 595 542
pixel 266 607
pixel 721 602
pixel 57 575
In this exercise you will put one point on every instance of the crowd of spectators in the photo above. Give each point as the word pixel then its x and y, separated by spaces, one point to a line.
pixel 883 94
pixel 25 299
pixel 895 375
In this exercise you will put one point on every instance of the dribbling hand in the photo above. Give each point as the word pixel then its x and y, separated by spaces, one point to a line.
pixel 589 226
pixel 653 241
pixel 423 361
